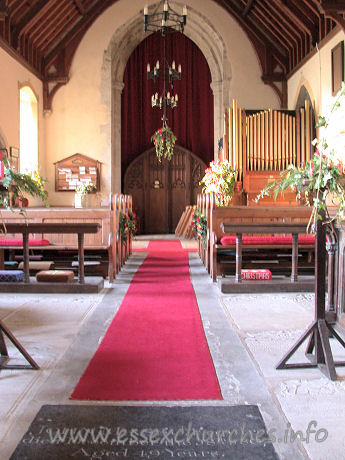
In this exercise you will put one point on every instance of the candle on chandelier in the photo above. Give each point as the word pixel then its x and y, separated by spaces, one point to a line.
pixel 165 8
pixel 146 10
pixel 184 11
pixel 157 64
pixel 148 68
pixel 173 65
pixel 179 68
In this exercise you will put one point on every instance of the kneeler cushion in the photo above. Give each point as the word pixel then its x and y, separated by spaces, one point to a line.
pixel 267 240
pixel 55 276
pixel 261 274
pixel 19 242
pixel 11 276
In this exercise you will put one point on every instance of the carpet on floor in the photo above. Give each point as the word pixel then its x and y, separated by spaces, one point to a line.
pixel 155 347
pixel 116 432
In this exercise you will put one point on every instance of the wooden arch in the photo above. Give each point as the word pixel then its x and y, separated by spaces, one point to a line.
pixel 162 190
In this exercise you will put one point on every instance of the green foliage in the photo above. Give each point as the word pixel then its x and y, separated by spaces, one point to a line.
pixel 84 188
pixel 199 226
pixel 128 225
pixel 322 179
pixel 220 179
pixel 16 186
pixel 164 141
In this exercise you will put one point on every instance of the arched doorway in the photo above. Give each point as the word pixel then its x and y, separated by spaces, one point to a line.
pixel 124 41
pixel 162 190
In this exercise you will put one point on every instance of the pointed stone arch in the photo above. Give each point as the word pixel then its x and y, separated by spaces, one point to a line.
pixel 125 39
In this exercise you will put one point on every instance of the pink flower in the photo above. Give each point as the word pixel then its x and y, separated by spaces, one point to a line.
pixel 312 167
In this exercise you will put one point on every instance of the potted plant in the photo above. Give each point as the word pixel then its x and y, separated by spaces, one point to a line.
pixel 220 179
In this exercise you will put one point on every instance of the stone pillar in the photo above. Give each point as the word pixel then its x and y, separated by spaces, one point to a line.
pixel 217 89
pixel 117 89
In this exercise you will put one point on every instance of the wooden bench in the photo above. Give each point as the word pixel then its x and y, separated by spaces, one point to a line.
pixel 280 283
pixel 257 215
pixel 104 246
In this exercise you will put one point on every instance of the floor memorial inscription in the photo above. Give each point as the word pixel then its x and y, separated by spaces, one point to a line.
pixel 132 432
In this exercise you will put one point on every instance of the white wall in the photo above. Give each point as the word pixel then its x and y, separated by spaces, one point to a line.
pixel 316 76
pixel 80 121
pixel 12 76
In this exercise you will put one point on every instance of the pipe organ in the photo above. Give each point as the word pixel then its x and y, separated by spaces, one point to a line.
pixel 261 144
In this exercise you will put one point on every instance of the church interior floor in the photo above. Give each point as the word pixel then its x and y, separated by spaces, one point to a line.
pixel 247 335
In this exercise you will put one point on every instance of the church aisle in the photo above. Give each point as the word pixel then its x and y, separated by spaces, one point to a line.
pixel 233 333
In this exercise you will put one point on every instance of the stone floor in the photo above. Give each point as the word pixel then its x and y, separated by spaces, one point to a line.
pixel 247 335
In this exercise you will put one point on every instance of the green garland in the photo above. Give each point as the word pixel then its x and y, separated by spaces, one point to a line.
pixel 128 225
pixel 164 141
pixel 199 226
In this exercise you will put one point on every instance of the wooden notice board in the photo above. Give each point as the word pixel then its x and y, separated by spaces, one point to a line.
pixel 74 170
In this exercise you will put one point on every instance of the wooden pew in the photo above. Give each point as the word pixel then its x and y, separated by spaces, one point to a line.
pixel 247 214
pixel 106 243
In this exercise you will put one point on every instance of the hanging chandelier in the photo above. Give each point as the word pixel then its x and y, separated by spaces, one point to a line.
pixel 166 21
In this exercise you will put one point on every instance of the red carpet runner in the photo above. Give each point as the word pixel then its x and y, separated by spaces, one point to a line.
pixel 155 348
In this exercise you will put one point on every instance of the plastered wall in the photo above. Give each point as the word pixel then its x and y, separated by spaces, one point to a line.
pixel 82 117
pixel 316 76
pixel 81 120
pixel 13 75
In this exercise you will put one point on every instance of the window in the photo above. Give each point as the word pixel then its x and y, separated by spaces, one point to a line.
pixel 28 130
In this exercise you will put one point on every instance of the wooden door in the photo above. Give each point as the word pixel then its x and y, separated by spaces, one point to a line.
pixel 162 190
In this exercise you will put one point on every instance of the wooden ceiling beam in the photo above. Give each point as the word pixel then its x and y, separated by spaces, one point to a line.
pixel 281 21
pixel 73 35
pixel 80 7
pixel 334 7
pixel 248 7
pixel 256 35
pixel 32 17
pixel 47 29
pixel 312 5
pixel 285 42
pixel 306 10
pixel 295 16
pixel 333 10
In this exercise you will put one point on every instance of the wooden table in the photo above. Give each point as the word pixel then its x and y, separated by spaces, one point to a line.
pixel 80 228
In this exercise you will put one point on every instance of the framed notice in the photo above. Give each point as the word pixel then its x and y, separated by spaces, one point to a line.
pixel 337 67
pixel 14 157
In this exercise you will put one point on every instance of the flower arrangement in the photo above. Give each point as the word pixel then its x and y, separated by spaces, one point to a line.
pixel 322 177
pixel 83 188
pixel 220 179
pixel 164 141
pixel 16 185
pixel 199 226
pixel 128 225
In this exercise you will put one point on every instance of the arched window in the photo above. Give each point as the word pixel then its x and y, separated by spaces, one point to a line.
pixel 28 130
